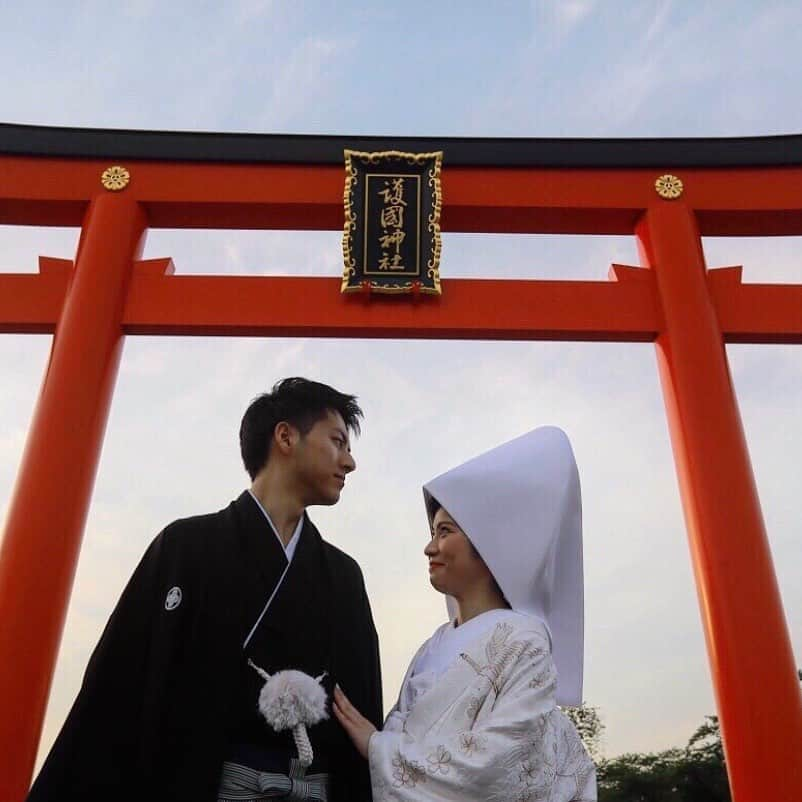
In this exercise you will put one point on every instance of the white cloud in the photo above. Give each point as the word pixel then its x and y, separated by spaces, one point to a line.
pixel 563 15
pixel 571 12
pixel 248 11
pixel 304 78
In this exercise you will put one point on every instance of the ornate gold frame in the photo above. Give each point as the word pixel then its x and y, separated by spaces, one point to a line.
pixel 351 178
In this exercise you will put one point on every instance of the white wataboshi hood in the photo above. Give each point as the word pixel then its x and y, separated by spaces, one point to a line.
pixel 520 506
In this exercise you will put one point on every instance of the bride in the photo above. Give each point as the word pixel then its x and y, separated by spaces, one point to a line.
pixel 477 716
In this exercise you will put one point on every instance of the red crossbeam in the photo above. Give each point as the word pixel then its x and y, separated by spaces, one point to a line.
pixel 624 310
pixel 313 307
pixel 476 199
pixel 755 313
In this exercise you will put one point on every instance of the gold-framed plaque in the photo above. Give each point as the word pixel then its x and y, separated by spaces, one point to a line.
pixel 391 239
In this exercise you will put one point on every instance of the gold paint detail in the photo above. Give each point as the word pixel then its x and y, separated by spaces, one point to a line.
pixel 351 180
pixel 434 223
pixel 668 186
pixel 115 178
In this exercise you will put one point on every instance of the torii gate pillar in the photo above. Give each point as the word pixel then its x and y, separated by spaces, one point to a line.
pixel 46 519
pixel 727 537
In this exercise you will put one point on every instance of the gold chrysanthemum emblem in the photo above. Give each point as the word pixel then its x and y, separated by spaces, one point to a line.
pixel 668 186
pixel 115 178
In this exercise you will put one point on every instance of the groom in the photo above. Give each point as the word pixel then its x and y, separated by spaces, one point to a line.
pixel 168 697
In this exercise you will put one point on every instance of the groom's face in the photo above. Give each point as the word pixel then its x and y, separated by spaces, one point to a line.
pixel 322 459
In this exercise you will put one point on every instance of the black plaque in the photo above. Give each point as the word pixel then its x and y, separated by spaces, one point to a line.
pixel 391 240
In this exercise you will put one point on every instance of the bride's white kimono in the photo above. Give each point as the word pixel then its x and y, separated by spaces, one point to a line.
pixel 485 728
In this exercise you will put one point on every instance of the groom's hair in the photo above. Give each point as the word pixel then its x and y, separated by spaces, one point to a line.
pixel 298 401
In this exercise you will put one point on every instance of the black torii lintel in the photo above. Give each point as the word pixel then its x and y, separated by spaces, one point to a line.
pixel 93 143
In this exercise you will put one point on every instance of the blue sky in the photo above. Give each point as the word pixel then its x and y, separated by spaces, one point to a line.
pixel 571 68
pixel 566 69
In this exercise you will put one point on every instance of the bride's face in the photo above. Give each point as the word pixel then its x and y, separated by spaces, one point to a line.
pixel 454 565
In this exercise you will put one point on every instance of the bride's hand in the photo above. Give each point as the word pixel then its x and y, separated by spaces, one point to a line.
pixel 359 729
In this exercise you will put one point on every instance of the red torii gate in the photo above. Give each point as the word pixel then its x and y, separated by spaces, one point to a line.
pixel 731 187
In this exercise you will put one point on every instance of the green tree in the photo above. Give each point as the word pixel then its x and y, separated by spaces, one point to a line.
pixel 694 773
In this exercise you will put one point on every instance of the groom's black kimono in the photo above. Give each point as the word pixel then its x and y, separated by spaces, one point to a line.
pixel 167 695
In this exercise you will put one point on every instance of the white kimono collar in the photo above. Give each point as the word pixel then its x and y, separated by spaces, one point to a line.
pixel 520 505
pixel 289 549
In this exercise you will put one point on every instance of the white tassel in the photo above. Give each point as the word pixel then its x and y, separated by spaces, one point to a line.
pixel 292 700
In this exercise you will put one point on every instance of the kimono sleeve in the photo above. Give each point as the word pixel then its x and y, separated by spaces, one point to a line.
pixel 365 688
pixel 396 717
pixel 507 742
pixel 373 679
pixel 98 743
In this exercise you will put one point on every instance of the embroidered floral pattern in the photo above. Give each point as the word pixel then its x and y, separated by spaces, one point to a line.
pixel 533 740
pixel 407 772
pixel 573 760
pixel 542 678
pixel 528 772
pixel 500 655
pixel 535 777
pixel 470 743
pixel 472 711
pixel 439 760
